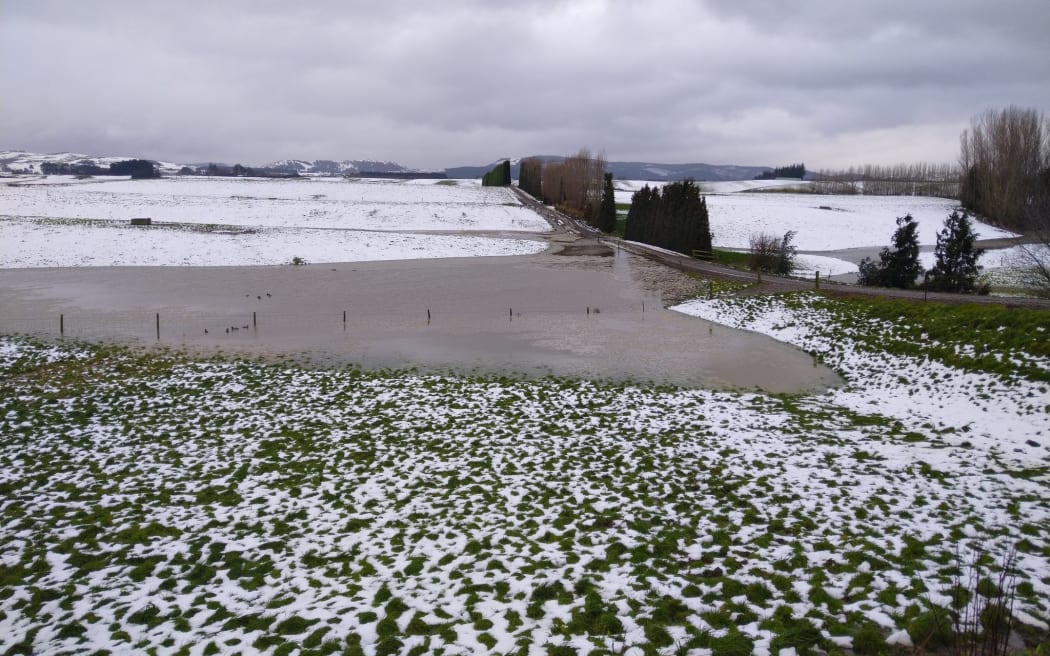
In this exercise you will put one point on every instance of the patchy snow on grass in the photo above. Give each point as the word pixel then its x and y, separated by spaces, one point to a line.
pixel 155 501
pixel 243 221
pixel 999 416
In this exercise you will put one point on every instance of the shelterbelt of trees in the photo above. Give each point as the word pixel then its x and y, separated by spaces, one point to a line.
pixel 136 168
pixel 674 218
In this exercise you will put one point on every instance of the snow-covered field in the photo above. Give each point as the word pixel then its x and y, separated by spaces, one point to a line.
pixel 847 222
pixel 45 244
pixel 625 188
pixel 243 221
pixel 62 221
pixel 821 222
pixel 161 503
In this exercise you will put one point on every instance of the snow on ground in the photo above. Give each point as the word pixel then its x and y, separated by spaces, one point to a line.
pixel 848 222
pixel 159 502
pixel 624 188
pixel 821 222
pixel 1003 258
pixel 733 186
pixel 1007 413
pixel 285 216
pixel 30 243
pixel 313 203
pixel 806 265
pixel 84 222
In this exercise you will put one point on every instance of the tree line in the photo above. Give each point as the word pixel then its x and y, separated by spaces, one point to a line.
pixel 1005 162
pixel 530 177
pixel 499 176
pixel 789 171
pixel 136 168
pixel 574 185
pixel 674 218
pixel 236 171
pixel 1003 172
pixel 577 186
pixel 916 179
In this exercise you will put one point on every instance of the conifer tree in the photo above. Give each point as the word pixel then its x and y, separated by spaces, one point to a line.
pixel 499 176
pixel 675 218
pixel 956 267
pixel 639 216
pixel 530 176
pixel 607 215
pixel 898 267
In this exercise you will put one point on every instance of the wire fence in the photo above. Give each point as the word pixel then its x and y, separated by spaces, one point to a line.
pixel 180 325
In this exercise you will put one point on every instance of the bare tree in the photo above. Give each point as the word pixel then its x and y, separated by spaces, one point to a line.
pixel 916 179
pixel 1036 254
pixel 574 185
pixel 1002 157
pixel 771 253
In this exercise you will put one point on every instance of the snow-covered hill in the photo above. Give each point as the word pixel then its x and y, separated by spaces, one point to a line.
pixel 20 161
pixel 331 167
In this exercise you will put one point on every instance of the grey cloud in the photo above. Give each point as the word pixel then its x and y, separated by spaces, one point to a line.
pixel 464 82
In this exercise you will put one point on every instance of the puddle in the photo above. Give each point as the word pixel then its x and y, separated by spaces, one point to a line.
pixel 587 316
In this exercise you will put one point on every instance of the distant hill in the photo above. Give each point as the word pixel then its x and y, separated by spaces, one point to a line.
pixel 19 161
pixel 638 170
pixel 331 167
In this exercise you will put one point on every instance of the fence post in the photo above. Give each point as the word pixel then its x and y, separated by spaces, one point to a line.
pixel 62 325
pixel 158 326
pixel 816 282
pixel 344 320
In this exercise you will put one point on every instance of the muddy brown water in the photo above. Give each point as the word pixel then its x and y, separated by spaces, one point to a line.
pixel 582 316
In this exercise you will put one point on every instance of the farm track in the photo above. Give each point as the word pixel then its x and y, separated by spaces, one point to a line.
pixel 769 284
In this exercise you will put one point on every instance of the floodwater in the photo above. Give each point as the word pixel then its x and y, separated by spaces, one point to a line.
pixel 580 316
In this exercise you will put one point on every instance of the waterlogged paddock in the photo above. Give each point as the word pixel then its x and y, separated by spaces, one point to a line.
pixel 577 316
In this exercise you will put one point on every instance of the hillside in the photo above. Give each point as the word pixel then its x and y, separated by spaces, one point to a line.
pixel 20 161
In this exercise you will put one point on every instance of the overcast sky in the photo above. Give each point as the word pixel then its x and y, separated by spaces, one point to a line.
pixel 438 84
